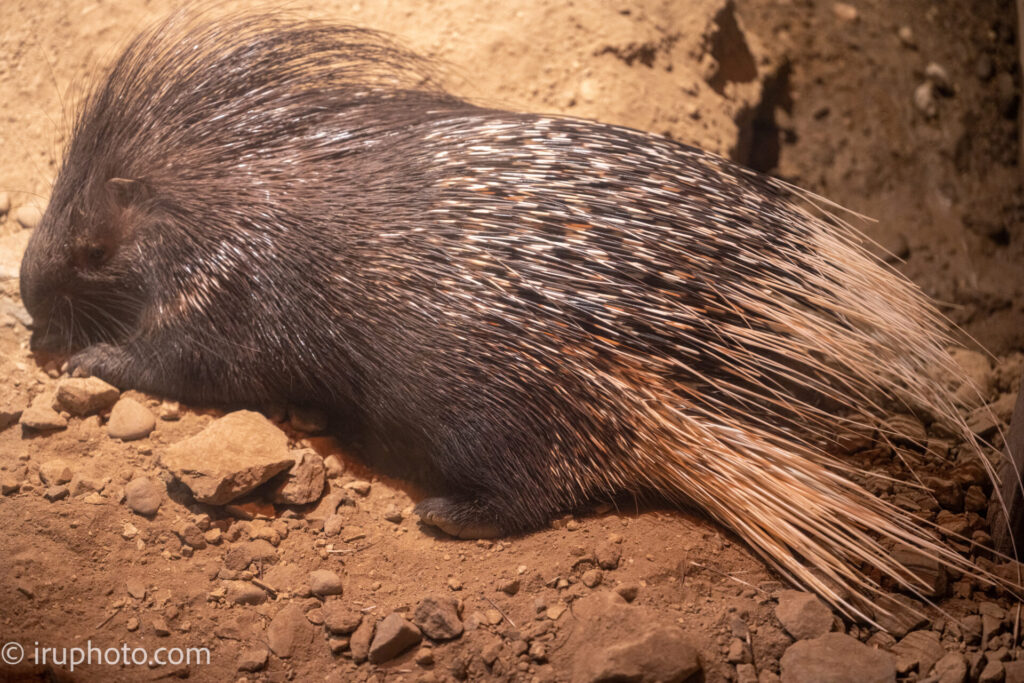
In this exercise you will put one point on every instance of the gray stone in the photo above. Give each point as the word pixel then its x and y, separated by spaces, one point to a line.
pixel 229 458
pixel 394 636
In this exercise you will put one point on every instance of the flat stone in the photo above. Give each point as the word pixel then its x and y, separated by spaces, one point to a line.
pixel 324 582
pixel 340 619
pixel 85 395
pixel 836 658
pixel 614 641
pixel 288 631
pixel 229 458
pixel 143 496
pixel 898 614
pixel 42 418
pixel 304 482
pixel 438 618
pixel 803 615
pixel 394 636
pixel 130 420
pixel 927 569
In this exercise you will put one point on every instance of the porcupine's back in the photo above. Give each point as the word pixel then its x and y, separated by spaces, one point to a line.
pixel 543 309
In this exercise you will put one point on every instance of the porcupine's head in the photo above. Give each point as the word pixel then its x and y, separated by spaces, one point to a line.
pixel 180 160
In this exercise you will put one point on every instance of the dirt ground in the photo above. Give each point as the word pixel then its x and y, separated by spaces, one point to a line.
pixel 905 112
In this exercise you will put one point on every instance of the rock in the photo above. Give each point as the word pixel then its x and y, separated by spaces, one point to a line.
pixel 340 619
pixel 229 458
pixel 394 636
pixel 55 493
pixel 906 430
pixel 360 487
pixel 136 588
pixel 160 628
pixel 42 418
pixel 244 593
pixel 1013 670
pixel 920 649
pixel 324 582
pixel 438 618
pixel 614 641
pixel 143 496
pixel 393 514
pixel 509 586
pixel 334 466
pixel 898 614
pixel 837 658
pixel 28 216
pixel 252 659
pixel 83 396
pixel 9 483
pixel 304 482
pixel 924 100
pixel 130 420
pixel 288 630
pixel 937 75
pixel 993 672
pixel 906 36
pixel 803 615
pixel 978 376
pixel 925 568
pixel 359 644
pixel 5 203
pixel 333 525
pixel 55 471
pixel 845 12
pixel 608 555
pixel 240 556
pixel 592 578
pixel 952 668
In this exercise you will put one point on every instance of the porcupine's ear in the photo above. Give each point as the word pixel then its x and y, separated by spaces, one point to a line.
pixel 126 192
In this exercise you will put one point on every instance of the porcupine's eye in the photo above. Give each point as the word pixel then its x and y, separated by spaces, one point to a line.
pixel 93 255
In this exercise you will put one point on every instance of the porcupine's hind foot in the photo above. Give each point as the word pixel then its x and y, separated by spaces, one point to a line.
pixel 461 518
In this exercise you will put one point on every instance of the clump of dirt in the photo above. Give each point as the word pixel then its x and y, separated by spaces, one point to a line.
pixel 906 112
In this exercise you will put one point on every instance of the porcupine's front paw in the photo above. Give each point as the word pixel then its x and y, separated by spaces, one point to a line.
pixel 461 519
pixel 109 363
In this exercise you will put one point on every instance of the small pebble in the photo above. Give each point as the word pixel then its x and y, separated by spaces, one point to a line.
pixel 906 36
pixel 323 582
pixel 143 496
pixel 130 420
pixel 509 586
pixel 592 578
pixel 360 487
pixel 845 11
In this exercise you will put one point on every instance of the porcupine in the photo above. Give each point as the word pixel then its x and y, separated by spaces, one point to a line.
pixel 524 313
